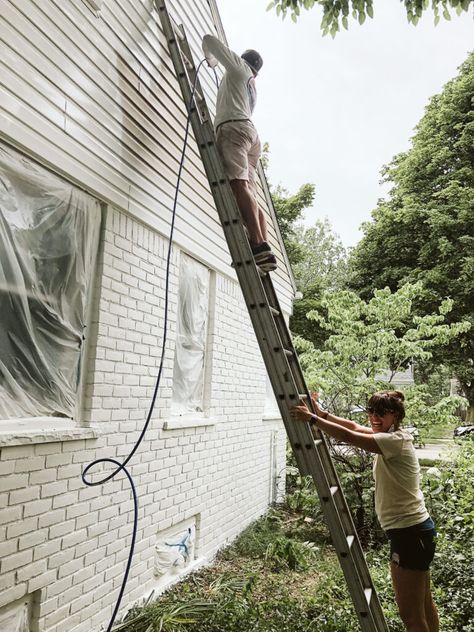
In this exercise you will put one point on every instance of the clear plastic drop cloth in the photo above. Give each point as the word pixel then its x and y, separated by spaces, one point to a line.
pixel 48 241
pixel 193 307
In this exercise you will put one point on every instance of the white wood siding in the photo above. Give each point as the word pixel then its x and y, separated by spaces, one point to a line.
pixel 94 97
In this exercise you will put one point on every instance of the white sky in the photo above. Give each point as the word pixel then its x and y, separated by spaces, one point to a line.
pixel 335 111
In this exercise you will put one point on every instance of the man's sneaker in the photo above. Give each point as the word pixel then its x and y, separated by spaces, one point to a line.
pixel 267 263
pixel 262 248
pixel 264 257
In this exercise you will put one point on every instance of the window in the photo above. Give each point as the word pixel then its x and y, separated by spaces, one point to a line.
pixel 191 338
pixel 175 550
pixel 48 242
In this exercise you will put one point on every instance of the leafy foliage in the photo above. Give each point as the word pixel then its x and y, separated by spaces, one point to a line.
pixel 285 553
pixel 289 209
pixel 325 258
pixel 425 230
pixel 254 540
pixel 324 267
pixel 159 617
pixel 337 12
pixel 365 339
pixel 316 254
pixel 449 491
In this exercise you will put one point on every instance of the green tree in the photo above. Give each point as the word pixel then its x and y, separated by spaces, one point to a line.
pixel 425 229
pixel 364 349
pixel 316 254
pixel 362 353
pixel 323 267
pixel 289 209
pixel 325 258
pixel 337 12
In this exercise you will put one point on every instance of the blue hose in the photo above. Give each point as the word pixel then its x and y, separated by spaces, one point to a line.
pixel 122 466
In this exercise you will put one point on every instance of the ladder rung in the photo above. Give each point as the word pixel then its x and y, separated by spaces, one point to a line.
pixel 368 595
pixel 274 311
pixel 228 222
pixel 318 442
pixel 289 353
pixel 333 490
pixel 187 63
pixel 349 540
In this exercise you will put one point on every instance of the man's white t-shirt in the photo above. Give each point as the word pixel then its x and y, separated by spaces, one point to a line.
pixel 399 501
pixel 237 94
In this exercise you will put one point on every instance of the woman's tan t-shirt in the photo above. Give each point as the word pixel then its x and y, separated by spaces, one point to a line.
pixel 399 501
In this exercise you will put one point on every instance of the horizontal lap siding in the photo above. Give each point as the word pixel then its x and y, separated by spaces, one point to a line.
pixel 97 100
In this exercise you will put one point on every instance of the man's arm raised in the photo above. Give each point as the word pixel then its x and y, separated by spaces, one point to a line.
pixel 217 52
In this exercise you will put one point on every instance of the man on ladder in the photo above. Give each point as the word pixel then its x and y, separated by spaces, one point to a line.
pixel 237 139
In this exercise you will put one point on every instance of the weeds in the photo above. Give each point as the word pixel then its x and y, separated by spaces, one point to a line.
pixel 280 575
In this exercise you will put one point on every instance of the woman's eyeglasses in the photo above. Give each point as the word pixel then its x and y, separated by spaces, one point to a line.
pixel 379 412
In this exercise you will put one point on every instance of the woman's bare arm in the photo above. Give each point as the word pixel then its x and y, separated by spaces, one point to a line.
pixel 340 421
pixel 346 432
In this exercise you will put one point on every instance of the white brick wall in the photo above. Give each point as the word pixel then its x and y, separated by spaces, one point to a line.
pixel 65 544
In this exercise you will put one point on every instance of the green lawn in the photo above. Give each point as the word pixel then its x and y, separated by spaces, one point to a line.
pixel 440 431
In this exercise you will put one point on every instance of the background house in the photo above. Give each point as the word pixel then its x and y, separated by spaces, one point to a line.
pixel 91 129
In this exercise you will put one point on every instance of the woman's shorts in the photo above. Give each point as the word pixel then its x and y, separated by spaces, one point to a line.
pixel 413 547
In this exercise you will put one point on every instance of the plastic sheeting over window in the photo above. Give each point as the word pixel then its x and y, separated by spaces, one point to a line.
pixel 48 241
pixel 193 308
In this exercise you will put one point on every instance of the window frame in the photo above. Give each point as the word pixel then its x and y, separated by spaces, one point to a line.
pixel 192 419
pixel 48 428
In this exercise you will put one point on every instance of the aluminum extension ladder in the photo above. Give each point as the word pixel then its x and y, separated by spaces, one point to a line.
pixel 281 361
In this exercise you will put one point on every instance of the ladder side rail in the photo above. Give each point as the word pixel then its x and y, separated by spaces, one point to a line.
pixel 298 373
pixel 339 499
pixel 175 42
pixel 369 613
pixel 300 381
pixel 322 443
pixel 349 565
pixel 213 167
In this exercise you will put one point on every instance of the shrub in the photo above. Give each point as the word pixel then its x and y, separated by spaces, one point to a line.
pixel 286 553
pixel 449 491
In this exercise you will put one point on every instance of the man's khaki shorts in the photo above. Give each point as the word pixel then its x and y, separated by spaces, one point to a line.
pixel 239 148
